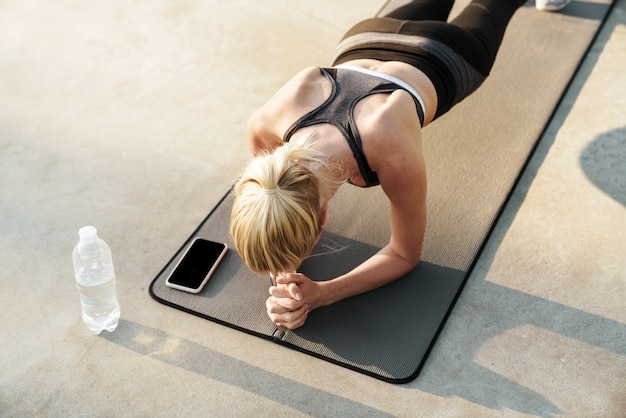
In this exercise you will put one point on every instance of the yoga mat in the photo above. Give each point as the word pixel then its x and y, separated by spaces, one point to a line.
pixel 474 155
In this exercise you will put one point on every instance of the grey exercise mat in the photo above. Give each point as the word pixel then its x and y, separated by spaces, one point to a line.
pixel 474 156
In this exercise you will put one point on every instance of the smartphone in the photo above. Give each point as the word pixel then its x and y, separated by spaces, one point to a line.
pixel 196 266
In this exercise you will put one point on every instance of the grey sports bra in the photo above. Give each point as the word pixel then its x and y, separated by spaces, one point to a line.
pixel 348 87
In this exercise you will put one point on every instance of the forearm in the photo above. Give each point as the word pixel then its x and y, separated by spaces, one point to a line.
pixel 382 268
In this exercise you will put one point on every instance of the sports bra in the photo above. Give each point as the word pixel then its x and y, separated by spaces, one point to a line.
pixel 349 86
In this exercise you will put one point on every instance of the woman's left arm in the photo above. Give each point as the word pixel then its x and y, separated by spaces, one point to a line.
pixel 398 160
pixel 402 175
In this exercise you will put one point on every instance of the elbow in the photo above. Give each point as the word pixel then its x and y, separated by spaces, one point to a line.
pixel 412 262
pixel 411 259
pixel 407 259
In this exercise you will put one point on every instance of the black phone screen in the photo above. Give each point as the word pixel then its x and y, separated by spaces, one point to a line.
pixel 197 263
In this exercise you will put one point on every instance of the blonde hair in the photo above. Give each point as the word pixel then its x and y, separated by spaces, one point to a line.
pixel 275 219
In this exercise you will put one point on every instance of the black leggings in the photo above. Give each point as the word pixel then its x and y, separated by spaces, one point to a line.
pixel 456 56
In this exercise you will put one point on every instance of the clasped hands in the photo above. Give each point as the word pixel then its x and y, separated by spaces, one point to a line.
pixel 291 300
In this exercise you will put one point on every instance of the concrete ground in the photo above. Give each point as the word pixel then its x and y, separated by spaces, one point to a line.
pixel 131 116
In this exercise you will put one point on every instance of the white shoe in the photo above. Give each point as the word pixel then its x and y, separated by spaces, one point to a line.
pixel 551 5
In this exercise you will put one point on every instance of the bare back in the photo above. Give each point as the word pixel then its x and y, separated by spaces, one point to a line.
pixel 391 140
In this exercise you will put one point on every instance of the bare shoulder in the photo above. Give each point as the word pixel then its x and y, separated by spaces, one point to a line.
pixel 267 125
pixel 392 135
pixel 299 86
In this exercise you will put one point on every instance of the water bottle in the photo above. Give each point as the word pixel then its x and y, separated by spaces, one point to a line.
pixel 95 280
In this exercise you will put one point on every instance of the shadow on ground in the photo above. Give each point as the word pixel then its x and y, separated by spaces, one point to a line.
pixel 603 161
pixel 193 357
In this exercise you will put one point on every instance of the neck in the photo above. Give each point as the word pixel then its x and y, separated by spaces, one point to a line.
pixel 330 179
pixel 335 172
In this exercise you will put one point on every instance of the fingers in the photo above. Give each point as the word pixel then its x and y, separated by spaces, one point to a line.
pixel 289 291
pixel 285 318
pixel 293 283
pixel 283 304
pixel 286 306
pixel 284 278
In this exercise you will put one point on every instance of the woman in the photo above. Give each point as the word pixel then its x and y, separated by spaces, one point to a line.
pixel 359 121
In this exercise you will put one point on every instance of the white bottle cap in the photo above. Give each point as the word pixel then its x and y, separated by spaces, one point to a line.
pixel 88 234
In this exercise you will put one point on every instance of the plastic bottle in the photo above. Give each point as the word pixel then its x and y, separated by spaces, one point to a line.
pixel 95 280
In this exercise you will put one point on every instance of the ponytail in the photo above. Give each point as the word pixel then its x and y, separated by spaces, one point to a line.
pixel 275 219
